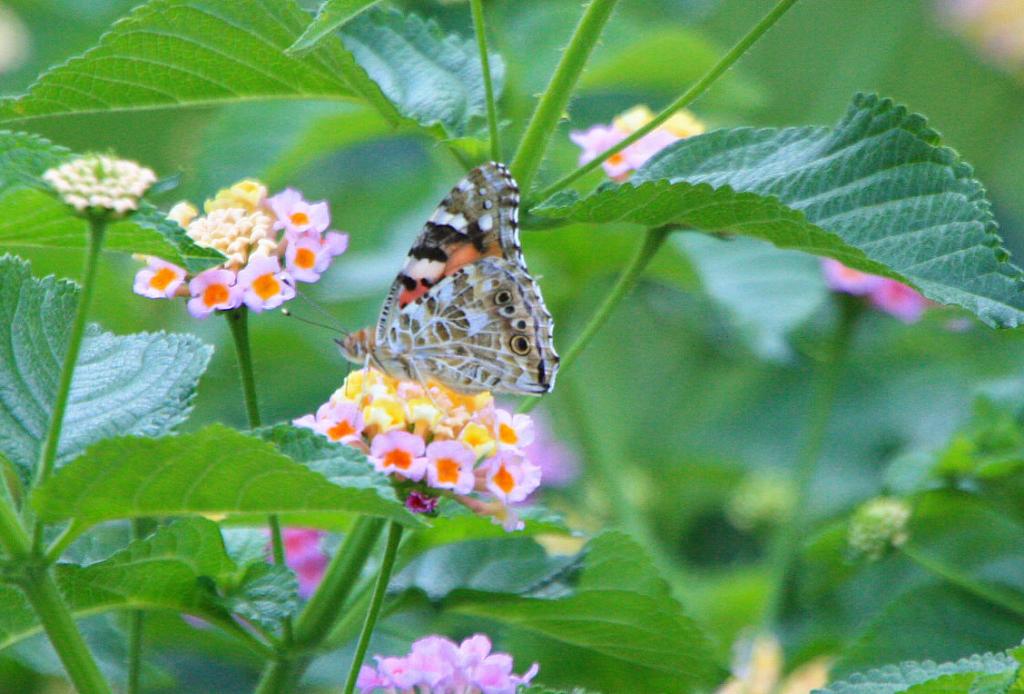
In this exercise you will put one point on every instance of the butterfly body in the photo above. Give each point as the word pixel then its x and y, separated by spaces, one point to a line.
pixel 464 310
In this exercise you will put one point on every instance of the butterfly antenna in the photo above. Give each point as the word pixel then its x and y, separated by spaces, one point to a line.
pixel 332 328
pixel 321 310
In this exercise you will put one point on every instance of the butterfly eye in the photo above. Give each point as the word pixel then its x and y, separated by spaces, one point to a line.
pixel 520 324
pixel 503 297
pixel 519 344
pixel 509 310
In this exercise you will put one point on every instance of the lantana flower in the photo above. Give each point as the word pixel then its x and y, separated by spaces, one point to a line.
pixel 601 137
pixel 440 666
pixel 100 182
pixel 434 442
pixel 304 554
pixel 758 665
pixel 878 525
pixel 888 295
pixel 269 244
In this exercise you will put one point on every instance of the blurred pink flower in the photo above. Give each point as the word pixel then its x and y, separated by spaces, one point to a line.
pixel 558 463
pixel 297 216
pixel 304 555
pixel 995 27
pixel 418 502
pixel 895 298
pixel 510 477
pixel 439 666
pixel 450 466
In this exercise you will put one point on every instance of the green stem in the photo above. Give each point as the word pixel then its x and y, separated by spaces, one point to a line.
pixel 1012 604
pixel 556 97
pixel 376 600
pixel 238 321
pixel 46 600
pixel 339 579
pixel 825 388
pixel 688 97
pixel 477 7
pixel 48 454
pixel 320 613
pixel 135 628
pixel 651 243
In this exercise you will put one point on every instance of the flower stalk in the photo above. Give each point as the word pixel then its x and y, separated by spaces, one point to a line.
pixel 786 543
pixel 687 98
pixel 376 600
pixel 556 97
pixel 477 8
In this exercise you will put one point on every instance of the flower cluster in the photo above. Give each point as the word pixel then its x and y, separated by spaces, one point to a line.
pixel 877 525
pixel 761 499
pixel 444 442
pixel 101 182
pixel 440 666
pixel 598 138
pixel 255 233
pixel 895 298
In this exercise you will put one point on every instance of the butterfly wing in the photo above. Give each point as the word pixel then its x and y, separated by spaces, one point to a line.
pixel 479 218
pixel 484 327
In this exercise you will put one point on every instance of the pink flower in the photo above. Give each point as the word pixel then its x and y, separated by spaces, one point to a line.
pixel 418 502
pixel 341 422
pixel 399 452
pixel 306 257
pixel 510 476
pixel 437 665
pixel 335 242
pixel 895 298
pixel 305 557
pixel 840 278
pixel 899 300
pixel 159 279
pixel 512 430
pixel 213 290
pixel 558 464
pixel 295 215
pixel 450 466
pixel 596 140
pixel 264 285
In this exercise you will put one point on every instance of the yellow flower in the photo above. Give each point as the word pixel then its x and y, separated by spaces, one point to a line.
pixel 633 119
pixel 385 413
pixel 247 194
pixel 422 412
pixel 758 670
pixel 477 437
pixel 682 123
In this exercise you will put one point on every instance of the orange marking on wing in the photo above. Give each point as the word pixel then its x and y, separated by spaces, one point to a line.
pixel 460 257
pixel 407 296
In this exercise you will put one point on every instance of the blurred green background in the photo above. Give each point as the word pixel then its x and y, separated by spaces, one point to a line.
pixel 688 392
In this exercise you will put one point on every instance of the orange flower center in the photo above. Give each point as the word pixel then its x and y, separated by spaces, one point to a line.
pixel 266 286
pixel 305 258
pixel 299 218
pixel 398 458
pixel 503 478
pixel 162 278
pixel 447 471
pixel 341 430
pixel 616 159
pixel 507 434
pixel 215 294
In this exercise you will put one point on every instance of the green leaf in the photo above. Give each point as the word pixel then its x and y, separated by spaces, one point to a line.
pixel 32 216
pixel 213 471
pixel 332 15
pixel 172 53
pixel 432 78
pixel 182 567
pixel 620 631
pixel 899 678
pixel 766 292
pixel 876 192
pixel 139 384
pixel 506 565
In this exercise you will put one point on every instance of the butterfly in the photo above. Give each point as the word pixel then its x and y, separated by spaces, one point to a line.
pixel 464 310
